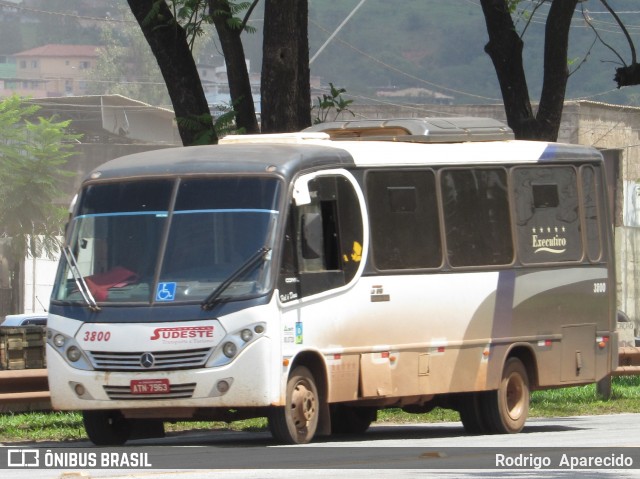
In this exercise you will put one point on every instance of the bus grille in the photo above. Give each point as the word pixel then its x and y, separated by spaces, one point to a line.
pixel 178 391
pixel 144 361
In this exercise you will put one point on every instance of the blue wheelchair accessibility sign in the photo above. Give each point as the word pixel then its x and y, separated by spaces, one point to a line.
pixel 166 292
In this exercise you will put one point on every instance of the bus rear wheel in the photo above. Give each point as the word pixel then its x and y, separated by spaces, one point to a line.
pixel 106 428
pixel 297 421
pixel 506 409
pixel 471 414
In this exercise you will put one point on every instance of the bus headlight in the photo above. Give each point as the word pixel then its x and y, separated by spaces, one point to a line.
pixel 229 349
pixel 235 342
pixel 246 335
pixel 73 354
pixel 68 349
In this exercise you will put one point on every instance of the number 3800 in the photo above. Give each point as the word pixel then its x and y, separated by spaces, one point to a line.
pixel 97 336
pixel 599 287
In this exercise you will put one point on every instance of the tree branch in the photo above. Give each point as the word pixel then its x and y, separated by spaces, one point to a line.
pixel 248 14
pixel 535 9
pixel 626 33
pixel 586 19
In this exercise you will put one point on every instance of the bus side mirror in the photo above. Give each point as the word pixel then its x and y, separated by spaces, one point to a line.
pixel 311 235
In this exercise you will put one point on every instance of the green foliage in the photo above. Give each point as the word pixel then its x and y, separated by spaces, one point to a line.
pixel 574 401
pixel 334 103
pixel 233 20
pixel 584 399
pixel 200 125
pixel 512 5
pixel 38 426
pixel 33 155
pixel 439 46
pixel 190 15
pixel 226 122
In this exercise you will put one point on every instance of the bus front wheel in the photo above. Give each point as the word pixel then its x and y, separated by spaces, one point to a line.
pixel 106 428
pixel 506 409
pixel 297 421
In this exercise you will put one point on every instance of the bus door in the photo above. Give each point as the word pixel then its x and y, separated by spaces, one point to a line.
pixel 322 256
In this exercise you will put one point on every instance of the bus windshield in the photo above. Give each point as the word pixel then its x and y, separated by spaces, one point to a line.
pixel 170 240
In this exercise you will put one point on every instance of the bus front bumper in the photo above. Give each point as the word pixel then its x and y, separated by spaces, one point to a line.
pixel 244 382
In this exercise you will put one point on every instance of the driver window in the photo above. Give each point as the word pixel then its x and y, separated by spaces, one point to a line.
pixel 323 243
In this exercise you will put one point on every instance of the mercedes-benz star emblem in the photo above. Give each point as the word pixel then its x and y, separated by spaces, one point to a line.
pixel 147 360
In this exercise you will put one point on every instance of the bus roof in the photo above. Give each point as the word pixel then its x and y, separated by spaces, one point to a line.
pixel 288 153
pixel 380 154
pixel 377 152
pixel 251 158
pixel 418 130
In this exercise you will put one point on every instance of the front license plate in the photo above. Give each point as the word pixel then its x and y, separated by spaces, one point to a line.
pixel 150 386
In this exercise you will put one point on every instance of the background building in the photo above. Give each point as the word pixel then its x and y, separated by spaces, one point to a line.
pixel 54 70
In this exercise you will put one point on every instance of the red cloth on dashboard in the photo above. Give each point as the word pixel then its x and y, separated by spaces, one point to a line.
pixel 99 284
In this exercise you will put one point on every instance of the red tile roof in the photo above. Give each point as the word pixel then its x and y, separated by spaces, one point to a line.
pixel 55 50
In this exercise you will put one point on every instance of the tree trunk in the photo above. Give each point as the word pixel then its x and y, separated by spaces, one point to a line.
pixel 556 69
pixel 168 42
pixel 233 51
pixel 285 89
pixel 505 49
pixel 17 285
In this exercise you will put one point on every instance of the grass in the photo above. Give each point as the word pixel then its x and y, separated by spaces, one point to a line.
pixel 575 401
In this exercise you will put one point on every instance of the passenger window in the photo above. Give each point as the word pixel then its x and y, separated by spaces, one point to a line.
pixel 403 211
pixel 476 217
pixel 591 213
pixel 547 213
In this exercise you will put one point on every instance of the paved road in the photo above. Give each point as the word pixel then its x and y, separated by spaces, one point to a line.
pixel 420 450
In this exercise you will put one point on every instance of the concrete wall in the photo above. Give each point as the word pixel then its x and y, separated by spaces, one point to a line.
pixel 615 130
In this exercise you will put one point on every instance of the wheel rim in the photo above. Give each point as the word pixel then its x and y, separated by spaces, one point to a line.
pixel 303 405
pixel 515 396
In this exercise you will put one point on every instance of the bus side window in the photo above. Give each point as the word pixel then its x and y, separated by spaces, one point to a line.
pixel 476 217
pixel 405 225
pixel 592 206
pixel 547 214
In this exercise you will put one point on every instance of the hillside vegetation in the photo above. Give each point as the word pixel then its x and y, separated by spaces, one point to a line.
pixel 436 45
pixel 439 45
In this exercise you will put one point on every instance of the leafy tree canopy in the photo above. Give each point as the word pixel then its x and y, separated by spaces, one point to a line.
pixel 34 152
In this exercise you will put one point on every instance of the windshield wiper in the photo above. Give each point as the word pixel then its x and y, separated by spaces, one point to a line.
pixel 254 260
pixel 80 282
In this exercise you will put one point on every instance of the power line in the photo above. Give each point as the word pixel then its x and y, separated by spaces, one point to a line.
pixel 403 73
pixel 337 30
pixel 366 55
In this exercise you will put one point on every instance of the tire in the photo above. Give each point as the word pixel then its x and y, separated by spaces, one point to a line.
pixel 297 421
pixel 106 428
pixel 471 413
pixel 351 420
pixel 506 410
